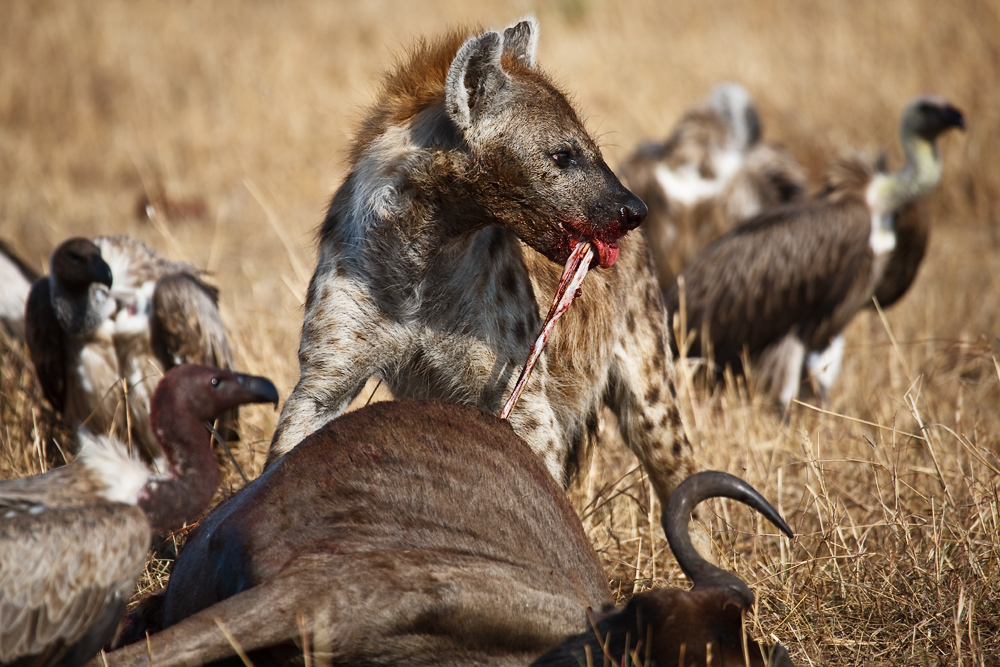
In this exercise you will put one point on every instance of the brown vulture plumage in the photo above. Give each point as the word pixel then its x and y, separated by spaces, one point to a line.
pixel 73 541
pixel 107 321
pixel 711 173
pixel 785 283
pixel 16 278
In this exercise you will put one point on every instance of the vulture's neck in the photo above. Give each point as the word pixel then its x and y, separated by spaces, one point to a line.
pixel 918 176
pixel 81 313
pixel 171 499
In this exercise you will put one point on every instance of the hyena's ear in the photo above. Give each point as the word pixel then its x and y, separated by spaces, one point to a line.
pixel 521 41
pixel 474 78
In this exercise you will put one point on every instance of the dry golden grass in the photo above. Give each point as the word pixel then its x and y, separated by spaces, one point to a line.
pixel 245 111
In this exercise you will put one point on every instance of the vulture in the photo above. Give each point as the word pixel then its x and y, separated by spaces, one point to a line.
pixel 73 541
pixel 711 173
pixel 108 320
pixel 16 278
pixel 786 283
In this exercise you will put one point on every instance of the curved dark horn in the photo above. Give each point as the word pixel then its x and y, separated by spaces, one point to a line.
pixel 690 492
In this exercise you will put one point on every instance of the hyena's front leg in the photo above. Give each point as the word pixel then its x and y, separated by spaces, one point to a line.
pixel 344 342
pixel 535 421
pixel 642 394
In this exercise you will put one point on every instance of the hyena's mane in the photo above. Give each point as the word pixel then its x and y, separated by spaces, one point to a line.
pixel 416 82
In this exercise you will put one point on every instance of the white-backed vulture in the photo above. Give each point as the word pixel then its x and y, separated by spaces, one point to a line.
pixel 111 315
pixel 16 278
pixel 785 283
pixel 73 541
pixel 710 174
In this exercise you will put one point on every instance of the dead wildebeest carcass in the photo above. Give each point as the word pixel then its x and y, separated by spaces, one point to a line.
pixel 419 533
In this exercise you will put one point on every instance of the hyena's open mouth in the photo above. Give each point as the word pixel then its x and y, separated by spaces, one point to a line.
pixel 605 251
pixel 604 241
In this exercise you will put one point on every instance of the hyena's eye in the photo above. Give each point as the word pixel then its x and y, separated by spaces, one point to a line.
pixel 562 158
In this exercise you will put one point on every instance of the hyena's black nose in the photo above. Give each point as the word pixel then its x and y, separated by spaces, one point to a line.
pixel 632 214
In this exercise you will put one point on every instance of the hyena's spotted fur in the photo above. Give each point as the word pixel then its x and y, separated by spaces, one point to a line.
pixel 471 180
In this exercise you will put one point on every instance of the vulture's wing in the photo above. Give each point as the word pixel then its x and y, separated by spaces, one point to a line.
pixel 65 578
pixel 59 486
pixel 912 232
pixel 186 326
pixel 16 278
pixel 774 177
pixel 28 271
pixel 797 267
pixel 46 343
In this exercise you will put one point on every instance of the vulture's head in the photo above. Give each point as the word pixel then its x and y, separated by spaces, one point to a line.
pixel 77 263
pixel 930 115
pixel 734 106
pixel 204 392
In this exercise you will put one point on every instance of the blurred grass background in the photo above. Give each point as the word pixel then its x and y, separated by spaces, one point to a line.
pixel 231 121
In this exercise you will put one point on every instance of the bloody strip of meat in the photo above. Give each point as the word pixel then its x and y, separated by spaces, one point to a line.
pixel 569 288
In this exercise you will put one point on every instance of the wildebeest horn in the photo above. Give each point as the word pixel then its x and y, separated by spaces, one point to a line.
pixel 690 492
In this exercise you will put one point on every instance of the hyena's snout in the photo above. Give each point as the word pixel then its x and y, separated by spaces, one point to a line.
pixel 632 213
pixel 620 215
pixel 618 210
pixel 623 212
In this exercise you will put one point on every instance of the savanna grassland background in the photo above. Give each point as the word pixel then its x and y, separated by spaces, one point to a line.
pixel 233 119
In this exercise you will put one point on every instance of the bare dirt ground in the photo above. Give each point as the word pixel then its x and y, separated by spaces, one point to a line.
pixel 230 123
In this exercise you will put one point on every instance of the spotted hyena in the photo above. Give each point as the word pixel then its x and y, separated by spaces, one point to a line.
pixel 471 180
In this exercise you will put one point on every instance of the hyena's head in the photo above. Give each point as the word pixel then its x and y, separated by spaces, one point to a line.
pixel 535 169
